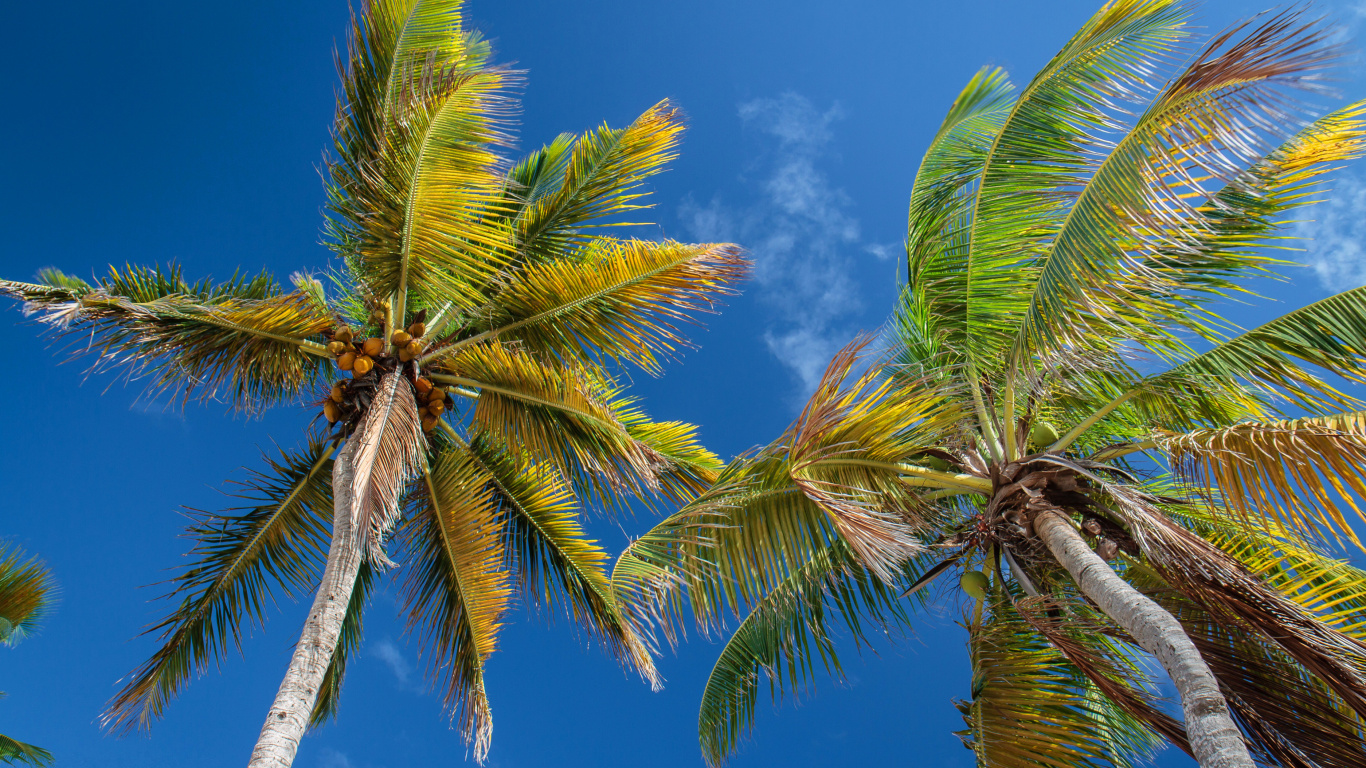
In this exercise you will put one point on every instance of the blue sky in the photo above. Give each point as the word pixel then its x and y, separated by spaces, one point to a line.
pixel 193 132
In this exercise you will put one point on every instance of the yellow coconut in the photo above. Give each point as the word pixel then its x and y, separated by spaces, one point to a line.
pixel 428 423
pixel 400 338
pixel 338 394
pixel 416 329
pixel 436 407
pixel 343 335
pixel 347 361
pixel 423 386
pixel 332 411
pixel 363 366
pixel 336 348
pixel 372 347
pixel 414 348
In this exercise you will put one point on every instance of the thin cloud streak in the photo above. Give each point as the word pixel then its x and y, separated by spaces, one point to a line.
pixel 1333 233
pixel 799 232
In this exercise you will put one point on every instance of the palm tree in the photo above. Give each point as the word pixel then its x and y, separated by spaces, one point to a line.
pixel 26 595
pixel 1065 244
pixel 479 315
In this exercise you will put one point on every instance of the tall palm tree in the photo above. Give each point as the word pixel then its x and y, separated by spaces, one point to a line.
pixel 474 319
pixel 26 595
pixel 1045 421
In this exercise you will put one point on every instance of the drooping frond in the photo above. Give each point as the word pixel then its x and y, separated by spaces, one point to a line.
pixel 14 752
pixel 1300 474
pixel 619 300
pixel 556 564
pixel 1105 274
pixel 239 556
pixel 787 635
pixel 389 455
pixel 1284 710
pixel 1045 152
pixel 563 413
pixel 457 590
pixel 242 339
pixel 600 176
pixel 27 592
pixel 329 695
pixel 1028 708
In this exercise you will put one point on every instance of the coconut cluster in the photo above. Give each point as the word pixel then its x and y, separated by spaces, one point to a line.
pixel 368 360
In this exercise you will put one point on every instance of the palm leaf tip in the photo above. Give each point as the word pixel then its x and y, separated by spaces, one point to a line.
pixel 27 593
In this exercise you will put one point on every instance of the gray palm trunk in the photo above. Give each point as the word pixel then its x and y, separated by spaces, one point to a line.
pixel 1214 738
pixel 289 715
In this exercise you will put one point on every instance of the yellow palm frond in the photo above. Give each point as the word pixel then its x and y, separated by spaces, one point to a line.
pixel 457 589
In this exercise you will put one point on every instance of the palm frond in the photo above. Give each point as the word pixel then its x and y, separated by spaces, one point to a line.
pixel 27 592
pixel 1289 714
pixel 1301 474
pixel 1027 708
pixel 348 642
pixel 1044 153
pixel 14 752
pixel 239 556
pixel 1105 274
pixel 389 455
pixel 618 299
pixel 457 589
pixel 244 338
pixel 787 634
pixel 556 564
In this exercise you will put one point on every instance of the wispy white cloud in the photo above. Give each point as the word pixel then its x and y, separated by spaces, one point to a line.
pixel 1334 233
pixel 331 758
pixel 800 234
pixel 392 656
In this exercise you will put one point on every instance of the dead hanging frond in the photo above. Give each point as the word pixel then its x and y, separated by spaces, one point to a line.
pixel 389 454
pixel 1299 474
pixel 1219 584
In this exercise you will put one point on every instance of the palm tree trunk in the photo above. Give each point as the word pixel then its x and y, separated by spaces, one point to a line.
pixel 288 717
pixel 1214 738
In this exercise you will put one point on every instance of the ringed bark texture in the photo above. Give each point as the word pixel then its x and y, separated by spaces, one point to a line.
pixel 1214 738
pixel 288 717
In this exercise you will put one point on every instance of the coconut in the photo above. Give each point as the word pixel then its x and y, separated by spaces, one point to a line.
pixel 347 361
pixel 423 386
pixel 437 394
pixel 436 407
pixel 337 347
pixel 338 394
pixel 428 423
pixel 975 583
pixel 332 411
pixel 404 356
pixel 416 329
pixel 414 347
pixel 343 335
pixel 930 461
pixel 363 366
pixel 400 338
pixel 373 347
pixel 1042 435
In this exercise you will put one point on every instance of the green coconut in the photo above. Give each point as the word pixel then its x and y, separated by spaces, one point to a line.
pixel 975 583
pixel 1042 435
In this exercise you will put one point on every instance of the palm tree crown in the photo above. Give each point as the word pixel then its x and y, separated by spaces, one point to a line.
pixel 479 309
pixel 1066 242
pixel 26 595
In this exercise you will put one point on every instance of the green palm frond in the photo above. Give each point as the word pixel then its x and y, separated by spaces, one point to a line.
pixel 1044 148
pixel 599 176
pixel 329 695
pixel 1101 277
pixel 1329 334
pixel 14 752
pixel 1028 709
pixel 27 593
pixel 556 564
pixel 244 338
pixel 787 634
pixel 239 557
pixel 457 590
pixel 617 299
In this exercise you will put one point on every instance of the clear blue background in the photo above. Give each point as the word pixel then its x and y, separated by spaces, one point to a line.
pixel 193 131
